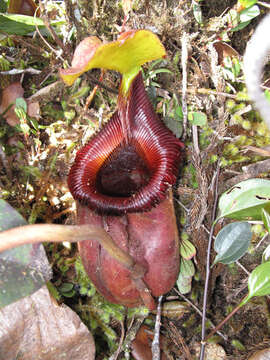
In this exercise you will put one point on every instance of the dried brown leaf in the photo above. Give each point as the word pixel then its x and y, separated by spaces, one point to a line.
pixel 261 355
pixel 23 7
pixel 9 96
pixel 141 346
pixel 33 109
pixel 223 50
pixel 36 327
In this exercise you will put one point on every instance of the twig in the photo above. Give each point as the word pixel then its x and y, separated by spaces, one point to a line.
pixel 207 276
pixel 225 337
pixel 261 241
pixel 132 332
pixel 243 268
pixel 184 43
pixel 93 92
pixel 155 343
pixel 254 61
pixel 262 3
pixel 179 340
pixel 203 91
pixel 219 326
pixel 32 234
pixel 195 140
pixel 5 163
pixel 116 354
pixel 31 71
pixel 184 59
pixel 182 205
pixel 28 44
pixel 96 82
pixel 50 29
pixel 49 46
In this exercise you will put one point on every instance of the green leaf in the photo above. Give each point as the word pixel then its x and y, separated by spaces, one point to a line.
pixel 232 242
pixel 83 91
pixel 66 287
pixel 258 282
pixel 241 26
pixel 266 254
pixel 197 11
pixel 187 271
pixel 187 249
pixel 23 270
pixel 266 219
pixel 153 73
pixel 246 200
pixel 15 24
pixel 174 125
pixel 178 112
pixel 238 345
pixel 21 103
pixel 187 268
pixel 154 63
pixel 267 95
pixel 249 13
pixel 247 3
pixel 197 118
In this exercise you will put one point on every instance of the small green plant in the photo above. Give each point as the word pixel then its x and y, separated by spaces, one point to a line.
pixel 246 10
pixel 247 201
pixel 153 70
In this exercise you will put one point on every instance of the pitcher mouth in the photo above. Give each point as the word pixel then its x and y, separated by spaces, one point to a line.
pixel 113 174
pixel 124 173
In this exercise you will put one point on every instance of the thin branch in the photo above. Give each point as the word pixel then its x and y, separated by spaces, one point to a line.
pixel 182 205
pixel 93 92
pixel 195 140
pixel 207 277
pixel 179 341
pixel 32 234
pixel 225 337
pixel 49 46
pixel 254 60
pixel 50 28
pixel 58 54
pixel 116 354
pixel 227 318
pixel 155 343
pixel 242 267
pixel 94 81
pixel 262 3
pixel 132 332
pixel 203 91
pixel 184 59
pixel 261 241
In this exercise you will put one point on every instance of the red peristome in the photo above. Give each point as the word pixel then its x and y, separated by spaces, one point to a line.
pixel 156 145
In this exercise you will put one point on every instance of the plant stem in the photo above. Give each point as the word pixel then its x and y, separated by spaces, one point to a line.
pixel 32 234
pixel 207 276
pixel 184 60
pixel 219 326
pixel 37 233
pixel 155 343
